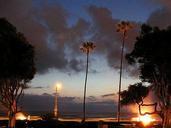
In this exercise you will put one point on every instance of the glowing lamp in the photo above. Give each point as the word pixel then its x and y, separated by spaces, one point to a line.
pixel 20 116
pixel 58 86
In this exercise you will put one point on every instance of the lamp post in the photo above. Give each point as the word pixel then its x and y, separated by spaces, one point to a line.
pixel 56 110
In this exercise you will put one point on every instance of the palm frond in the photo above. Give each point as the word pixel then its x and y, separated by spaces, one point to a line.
pixel 87 47
pixel 123 26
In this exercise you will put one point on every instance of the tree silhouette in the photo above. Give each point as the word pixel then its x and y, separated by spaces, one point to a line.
pixel 152 52
pixel 16 67
pixel 123 28
pixel 136 94
pixel 86 47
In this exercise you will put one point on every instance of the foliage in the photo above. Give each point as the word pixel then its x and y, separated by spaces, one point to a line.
pixel 135 94
pixel 123 27
pixel 17 66
pixel 16 54
pixel 87 47
pixel 152 52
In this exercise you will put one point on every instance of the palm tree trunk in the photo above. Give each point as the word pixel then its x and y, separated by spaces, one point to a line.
pixel 120 77
pixel 85 88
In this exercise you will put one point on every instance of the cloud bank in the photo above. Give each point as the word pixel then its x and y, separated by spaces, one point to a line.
pixel 56 40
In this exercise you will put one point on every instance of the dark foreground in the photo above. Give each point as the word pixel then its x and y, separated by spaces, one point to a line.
pixel 72 124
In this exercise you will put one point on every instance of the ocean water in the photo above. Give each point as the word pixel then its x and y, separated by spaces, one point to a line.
pixel 80 114
pixel 72 114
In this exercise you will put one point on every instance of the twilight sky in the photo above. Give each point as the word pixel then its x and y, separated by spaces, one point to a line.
pixel 57 28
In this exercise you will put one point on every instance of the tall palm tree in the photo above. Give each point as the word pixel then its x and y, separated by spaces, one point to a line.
pixel 86 47
pixel 123 28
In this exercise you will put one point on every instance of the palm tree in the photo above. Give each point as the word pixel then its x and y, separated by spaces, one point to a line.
pixel 86 47
pixel 122 27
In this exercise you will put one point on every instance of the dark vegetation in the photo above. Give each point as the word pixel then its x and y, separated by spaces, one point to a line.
pixel 17 67
pixel 152 52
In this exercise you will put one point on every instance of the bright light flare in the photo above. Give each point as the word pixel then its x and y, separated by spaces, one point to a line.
pixel 20 116
pixel 58 86
pixel 146 119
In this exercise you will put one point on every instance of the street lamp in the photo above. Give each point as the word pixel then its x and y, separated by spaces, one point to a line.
pixel 58 86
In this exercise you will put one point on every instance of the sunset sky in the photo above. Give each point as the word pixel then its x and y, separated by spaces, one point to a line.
pixel 57 28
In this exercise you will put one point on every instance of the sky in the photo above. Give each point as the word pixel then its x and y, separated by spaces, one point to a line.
pixel 57 28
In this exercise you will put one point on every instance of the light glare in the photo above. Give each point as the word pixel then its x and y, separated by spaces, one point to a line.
pixel 58 86
pixel 146 119
pixel 20 116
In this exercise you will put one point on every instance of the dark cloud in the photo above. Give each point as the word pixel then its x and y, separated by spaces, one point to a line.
pixel 91 99
pixel 94 71
pixel 46 28
pixel 164 3
pixel 133 70
pixel 38 87
pixel 63 41
pixel 105 35
pixel 108 95
pixel 160 18
pixel 46 94
pixel 77 65
pixel 107 39
pixel 57 42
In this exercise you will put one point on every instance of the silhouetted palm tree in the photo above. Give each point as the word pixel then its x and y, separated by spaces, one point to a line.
pixel 122 27
pixel 86 47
